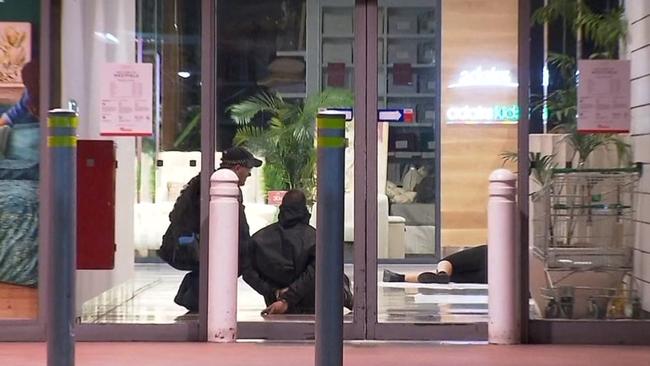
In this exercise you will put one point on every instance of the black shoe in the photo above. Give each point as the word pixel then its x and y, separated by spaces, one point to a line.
pixel 430 277
pixel 390 276
pixel 348 298
pixel 190 315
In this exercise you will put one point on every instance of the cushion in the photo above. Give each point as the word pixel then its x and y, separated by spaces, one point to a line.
pixel 18 169
pixel 24 142
pixel 287 66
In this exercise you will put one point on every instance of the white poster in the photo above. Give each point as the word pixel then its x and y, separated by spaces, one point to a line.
pixel 604 96
pixel 126 100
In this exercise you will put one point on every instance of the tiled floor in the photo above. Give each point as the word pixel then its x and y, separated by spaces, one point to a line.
pixel 148 298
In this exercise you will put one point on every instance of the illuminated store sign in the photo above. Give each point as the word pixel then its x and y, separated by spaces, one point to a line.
pixel 484 77
pixel 496 114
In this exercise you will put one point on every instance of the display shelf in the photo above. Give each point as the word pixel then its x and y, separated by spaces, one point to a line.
pixel 296 53
pixel 338 36
pixel 414 66
pixel 411 125
pixel 412 154
pixel 427 36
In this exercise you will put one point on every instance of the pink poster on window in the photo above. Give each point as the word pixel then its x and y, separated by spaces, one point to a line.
pixel 604 96
pixel 126 100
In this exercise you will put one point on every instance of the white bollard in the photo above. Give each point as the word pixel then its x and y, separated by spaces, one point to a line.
pixel 224 253
pixel 503 256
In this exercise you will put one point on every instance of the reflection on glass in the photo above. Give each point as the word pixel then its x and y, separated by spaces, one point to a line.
pixel 19 160
pixel 152 170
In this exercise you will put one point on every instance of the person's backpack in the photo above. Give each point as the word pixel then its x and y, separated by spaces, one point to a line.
pixel 180 251
pixel 180 243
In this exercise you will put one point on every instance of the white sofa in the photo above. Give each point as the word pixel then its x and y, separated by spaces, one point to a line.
pixel 152 218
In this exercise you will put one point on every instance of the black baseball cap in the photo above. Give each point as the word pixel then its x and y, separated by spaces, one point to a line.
pixel 238 155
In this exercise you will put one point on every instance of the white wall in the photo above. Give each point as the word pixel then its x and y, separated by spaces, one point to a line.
pixel 638 46
pixel 84 51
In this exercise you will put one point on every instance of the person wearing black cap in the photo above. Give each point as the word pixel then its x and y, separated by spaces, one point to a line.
pixel 180 242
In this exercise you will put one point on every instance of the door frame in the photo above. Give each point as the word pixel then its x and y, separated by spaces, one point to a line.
pixel 398 331
pixel 293 330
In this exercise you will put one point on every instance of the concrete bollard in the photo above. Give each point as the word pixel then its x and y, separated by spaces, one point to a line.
pixel 62 152
pixel 503 271
pixel 224 253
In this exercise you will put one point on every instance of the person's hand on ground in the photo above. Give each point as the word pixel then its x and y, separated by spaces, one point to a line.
pixel 278 307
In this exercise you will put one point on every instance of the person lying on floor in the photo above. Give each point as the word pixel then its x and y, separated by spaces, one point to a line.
pixel 282 261
pixel 466 266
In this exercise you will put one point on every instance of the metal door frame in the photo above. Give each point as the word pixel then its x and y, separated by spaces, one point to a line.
pixel 397 331
pixel 288 330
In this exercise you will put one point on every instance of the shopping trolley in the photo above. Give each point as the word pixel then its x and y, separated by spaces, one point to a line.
pixel 583 235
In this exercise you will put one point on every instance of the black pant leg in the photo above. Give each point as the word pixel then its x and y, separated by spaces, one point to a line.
pixel 188 292
pixel 469 265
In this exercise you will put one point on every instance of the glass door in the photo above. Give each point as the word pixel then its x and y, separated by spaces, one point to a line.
pixel 447 100
pixel 278 63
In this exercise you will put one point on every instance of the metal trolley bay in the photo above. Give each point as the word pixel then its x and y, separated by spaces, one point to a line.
pixel 583 239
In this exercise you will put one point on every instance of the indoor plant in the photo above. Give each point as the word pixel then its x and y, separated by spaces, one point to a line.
pixel 284 135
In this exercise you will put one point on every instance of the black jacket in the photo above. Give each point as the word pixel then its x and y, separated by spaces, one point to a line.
pixel 185 220
pixel 283 255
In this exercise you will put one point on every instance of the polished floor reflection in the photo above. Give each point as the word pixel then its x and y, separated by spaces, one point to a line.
pixel 148 299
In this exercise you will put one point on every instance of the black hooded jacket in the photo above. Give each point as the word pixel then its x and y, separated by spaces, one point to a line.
pixel 185 221
pixel 283 255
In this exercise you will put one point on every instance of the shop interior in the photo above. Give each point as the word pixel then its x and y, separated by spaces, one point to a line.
pixel 460 84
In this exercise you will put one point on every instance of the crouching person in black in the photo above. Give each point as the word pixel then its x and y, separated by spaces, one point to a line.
pixel 282 261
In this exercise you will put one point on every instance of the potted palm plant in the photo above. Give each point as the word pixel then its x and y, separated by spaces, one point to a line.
pixel 285 135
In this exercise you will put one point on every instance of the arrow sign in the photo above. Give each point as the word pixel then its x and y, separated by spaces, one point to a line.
pixel 347 111
pixel 395 115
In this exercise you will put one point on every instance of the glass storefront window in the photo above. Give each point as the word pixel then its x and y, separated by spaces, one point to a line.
pixel 583 229
pixel 455 67
pixel 151 169
pixel 19 159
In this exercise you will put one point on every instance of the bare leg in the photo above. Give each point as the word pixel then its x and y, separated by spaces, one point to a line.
pixel 445 266
pixel 411 277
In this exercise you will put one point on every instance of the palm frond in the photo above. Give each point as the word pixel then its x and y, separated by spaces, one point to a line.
pixel 286 139
pixel 244 112
pixel 254 138
pixel 623 150
pixel 509 157
pixel 606 30
pixel 329 98
pixel 556 9
pixel 191 128
pixel 565 64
